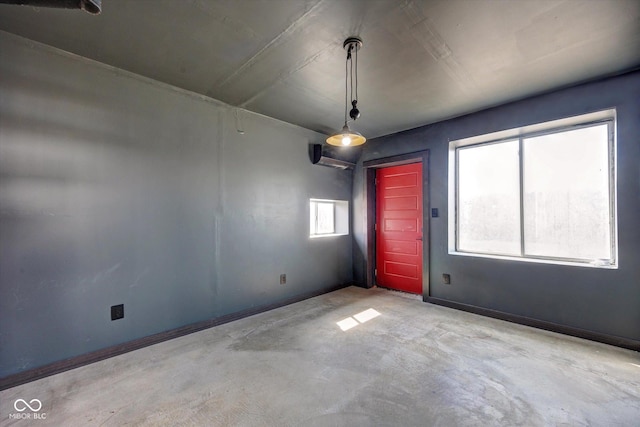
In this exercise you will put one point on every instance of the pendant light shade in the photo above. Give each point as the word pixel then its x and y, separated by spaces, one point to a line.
pixel 347 137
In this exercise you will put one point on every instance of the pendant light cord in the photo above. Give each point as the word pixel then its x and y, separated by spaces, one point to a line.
pixel 346 87
pixel 351 71
pixel 356 73
pixel 348 81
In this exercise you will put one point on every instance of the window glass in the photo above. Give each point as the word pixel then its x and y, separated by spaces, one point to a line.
pixel 325 218
pixel 489 199
pixel 566 194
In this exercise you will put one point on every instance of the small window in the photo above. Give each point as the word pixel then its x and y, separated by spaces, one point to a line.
pixel 328 217
pixel 545 194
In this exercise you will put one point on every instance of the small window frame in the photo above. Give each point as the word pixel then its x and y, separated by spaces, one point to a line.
pixel 340 218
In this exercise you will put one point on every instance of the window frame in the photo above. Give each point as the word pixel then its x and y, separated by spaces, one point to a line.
pixel 607 117
pixel 340 218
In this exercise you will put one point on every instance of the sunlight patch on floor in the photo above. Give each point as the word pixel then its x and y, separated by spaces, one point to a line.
pixel 357 319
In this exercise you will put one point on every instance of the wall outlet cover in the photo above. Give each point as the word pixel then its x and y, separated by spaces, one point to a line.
pixel 117 311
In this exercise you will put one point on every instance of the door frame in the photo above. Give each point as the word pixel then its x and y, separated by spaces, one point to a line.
pixel 369 168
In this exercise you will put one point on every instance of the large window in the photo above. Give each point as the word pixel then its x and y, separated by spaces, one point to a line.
pixel 328 217
pixel 546 193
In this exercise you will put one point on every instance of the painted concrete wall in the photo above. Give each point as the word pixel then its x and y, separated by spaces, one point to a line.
pixel 117 189
pixel 599 300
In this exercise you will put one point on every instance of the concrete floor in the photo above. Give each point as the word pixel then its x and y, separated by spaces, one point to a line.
pixel 415 364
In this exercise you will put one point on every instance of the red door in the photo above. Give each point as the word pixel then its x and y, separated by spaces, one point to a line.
pixel 399 227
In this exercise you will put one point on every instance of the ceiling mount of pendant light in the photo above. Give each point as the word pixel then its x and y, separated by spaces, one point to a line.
pixel 348 137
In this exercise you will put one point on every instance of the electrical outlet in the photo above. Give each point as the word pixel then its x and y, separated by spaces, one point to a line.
pixel 283 279
pixel 446 279
pixel 117 311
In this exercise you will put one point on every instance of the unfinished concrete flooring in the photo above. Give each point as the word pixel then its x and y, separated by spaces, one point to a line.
pixel 414 364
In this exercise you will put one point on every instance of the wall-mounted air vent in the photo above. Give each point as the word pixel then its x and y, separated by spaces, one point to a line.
pixel 325 158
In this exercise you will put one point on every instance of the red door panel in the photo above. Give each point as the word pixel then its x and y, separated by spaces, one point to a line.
pixel 399 227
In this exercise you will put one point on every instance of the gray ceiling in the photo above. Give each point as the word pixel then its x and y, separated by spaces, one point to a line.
pixel 422 61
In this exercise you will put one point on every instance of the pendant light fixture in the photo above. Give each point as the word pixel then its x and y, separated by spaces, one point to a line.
pixel 347 137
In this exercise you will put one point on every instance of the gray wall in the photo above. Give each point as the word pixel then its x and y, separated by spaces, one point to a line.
pixel 117 189
pixel 598 300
